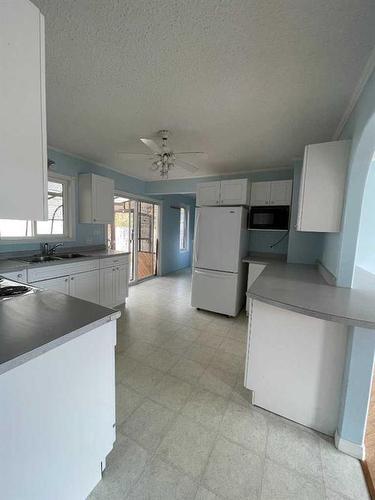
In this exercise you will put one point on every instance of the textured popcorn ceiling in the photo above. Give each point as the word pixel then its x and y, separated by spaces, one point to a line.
pixel 250 82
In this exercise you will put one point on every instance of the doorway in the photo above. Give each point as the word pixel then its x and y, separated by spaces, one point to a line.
pixel 135 229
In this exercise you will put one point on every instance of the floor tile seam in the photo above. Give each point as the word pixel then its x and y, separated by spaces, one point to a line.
pixel 131 413
pixel 196 421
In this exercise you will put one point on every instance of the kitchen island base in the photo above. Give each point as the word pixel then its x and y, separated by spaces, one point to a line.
pixel 295 365
pixel 57 419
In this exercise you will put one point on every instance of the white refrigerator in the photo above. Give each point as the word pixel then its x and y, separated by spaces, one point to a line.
pixel 220 244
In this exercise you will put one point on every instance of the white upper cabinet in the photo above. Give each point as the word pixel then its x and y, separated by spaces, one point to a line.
pixel 96 199
pixel 281 192
pixel 260 193
pixel 271 193
pixel 229 192
pixel 234 192
pixel 208 193
pixel 23 136
pixel 322 189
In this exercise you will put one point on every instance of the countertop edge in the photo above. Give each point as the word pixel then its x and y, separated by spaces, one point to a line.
pixel 28 356
pixel 312 312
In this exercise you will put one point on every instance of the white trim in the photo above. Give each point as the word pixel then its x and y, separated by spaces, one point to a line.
pixel 147 179
pixel 187 229
pixel 353 449
pixel 366 73
pixel 69 216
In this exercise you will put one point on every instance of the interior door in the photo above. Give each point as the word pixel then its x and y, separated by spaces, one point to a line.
pixel 121 232
pixel 217 238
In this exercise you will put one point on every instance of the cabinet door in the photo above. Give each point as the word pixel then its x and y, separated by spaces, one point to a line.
pixel 120 292
pixel 260 193
pixel 322 188
pixel 19 275
pixel 208 193
pixel 23 141
pixel 102 202
pixel 85 286
pixel 234 192
pixel 107 278
pixel 60 284
pixel 281 192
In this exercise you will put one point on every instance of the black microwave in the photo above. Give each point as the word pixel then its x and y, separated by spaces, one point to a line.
pixel 269 217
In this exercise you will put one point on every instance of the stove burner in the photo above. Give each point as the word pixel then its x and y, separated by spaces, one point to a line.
pixel 10 291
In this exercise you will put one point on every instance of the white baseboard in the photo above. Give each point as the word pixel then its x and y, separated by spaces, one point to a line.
pixel 353 449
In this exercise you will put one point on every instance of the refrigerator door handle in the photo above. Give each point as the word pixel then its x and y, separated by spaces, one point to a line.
pixel 196 238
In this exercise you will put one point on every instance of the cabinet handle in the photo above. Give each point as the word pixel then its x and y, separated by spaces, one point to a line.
pixel 113 270
pixel 66 280
pixel 72 279
pixel 19 275
pixel 94 220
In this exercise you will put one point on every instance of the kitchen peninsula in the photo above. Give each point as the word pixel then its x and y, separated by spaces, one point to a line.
pixel 56 360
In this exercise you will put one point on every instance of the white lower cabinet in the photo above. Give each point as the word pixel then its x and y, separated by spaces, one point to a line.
pixel 85 286
pixel 114 285
pixel 103 282
pixel 254 271
pixel 107 286
pixel 60 284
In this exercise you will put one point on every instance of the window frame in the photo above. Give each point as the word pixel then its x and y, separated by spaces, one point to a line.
pixel 187 221
pixel 69 234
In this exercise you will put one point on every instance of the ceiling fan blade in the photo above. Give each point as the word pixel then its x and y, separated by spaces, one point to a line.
pixel 152 145
pixel 190 167
pixel 135 156
pixel 190 153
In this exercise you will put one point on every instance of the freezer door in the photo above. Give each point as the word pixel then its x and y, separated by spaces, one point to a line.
pixel 217 238
pixel 215 291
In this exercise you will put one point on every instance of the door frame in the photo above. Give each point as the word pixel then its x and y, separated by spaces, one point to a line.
pixel 136 197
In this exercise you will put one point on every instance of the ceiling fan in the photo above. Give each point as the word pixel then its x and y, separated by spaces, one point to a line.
pixel 164 158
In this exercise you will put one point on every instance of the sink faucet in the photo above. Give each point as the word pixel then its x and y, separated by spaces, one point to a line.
pixel 45 249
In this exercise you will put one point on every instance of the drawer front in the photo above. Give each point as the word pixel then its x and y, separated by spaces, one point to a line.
pixel 121 260
pixel 19 275
pixel 53 271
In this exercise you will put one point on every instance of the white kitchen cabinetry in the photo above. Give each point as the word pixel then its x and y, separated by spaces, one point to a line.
pixel 281 192
pixel 19 275
pixel 59 442
pixel 61 284
pixel 85 286
pixel 271 193
pixel 322 189
pixel 114 278
pixel 96 199
pixel 295 364
pixel 229 192
pixel 23 136
pixel 208 193
pixel 103 281
pixel 254 271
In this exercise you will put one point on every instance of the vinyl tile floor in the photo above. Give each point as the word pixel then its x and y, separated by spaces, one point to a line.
pixel 185 425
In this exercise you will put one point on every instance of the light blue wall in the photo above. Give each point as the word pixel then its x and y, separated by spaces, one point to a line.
pixel 86 234
pixel 339 256
pixel 261 241
pixel 172 258
pixel 338 252
pixel 303 247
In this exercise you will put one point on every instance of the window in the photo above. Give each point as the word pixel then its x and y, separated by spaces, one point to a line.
pixel 184 220
pixel 58 225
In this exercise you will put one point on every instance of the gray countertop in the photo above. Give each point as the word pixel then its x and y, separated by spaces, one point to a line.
pixel 302 289
pixel 37 323
pixel 16 265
